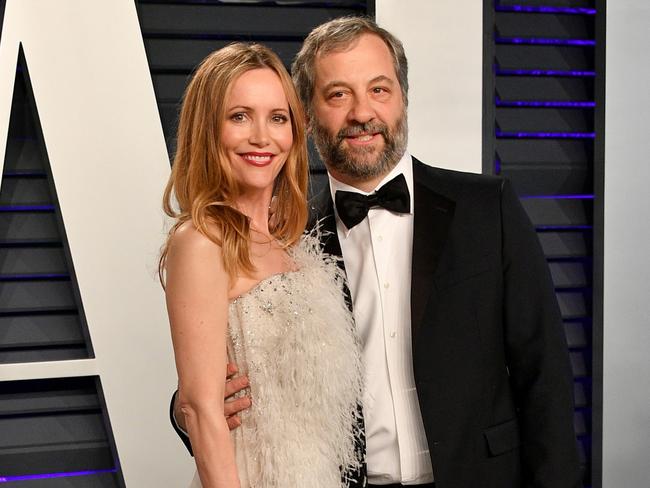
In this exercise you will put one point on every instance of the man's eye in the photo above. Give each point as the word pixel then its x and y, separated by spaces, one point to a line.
pixel 338 94
pixel 378 89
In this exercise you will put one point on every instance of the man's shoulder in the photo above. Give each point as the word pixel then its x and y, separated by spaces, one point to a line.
pixel 454 183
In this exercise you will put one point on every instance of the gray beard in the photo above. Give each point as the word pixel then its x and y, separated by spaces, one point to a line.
pixel 359 163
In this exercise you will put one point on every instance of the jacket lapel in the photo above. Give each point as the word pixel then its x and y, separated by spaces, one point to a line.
pixel 433 214
pixel 321 215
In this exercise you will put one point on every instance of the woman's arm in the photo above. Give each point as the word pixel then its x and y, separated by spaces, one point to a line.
pixel 197 303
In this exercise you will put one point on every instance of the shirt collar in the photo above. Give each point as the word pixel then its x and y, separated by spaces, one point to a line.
pixel 404 166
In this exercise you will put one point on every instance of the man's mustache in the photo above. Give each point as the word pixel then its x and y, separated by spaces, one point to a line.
pixel 367 128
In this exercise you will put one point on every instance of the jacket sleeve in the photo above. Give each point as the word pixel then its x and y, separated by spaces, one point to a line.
pixel 537 355
pixel 181 433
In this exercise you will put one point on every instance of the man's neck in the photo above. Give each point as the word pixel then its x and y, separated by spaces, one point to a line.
pixel 365 185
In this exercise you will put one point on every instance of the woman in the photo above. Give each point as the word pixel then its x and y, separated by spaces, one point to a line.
pixel 243 285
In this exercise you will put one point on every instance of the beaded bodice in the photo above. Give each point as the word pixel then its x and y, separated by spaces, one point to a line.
pixel 293 335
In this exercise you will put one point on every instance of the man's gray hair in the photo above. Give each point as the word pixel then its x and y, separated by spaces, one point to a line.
pixel 340 35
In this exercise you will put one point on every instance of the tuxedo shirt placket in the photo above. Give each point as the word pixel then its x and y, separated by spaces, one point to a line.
pixel 377 255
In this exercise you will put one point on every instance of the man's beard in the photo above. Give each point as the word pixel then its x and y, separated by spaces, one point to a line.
pixel 365 162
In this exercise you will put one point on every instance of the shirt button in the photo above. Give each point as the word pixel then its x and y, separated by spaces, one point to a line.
pixel 393 334
pixel 386 285
pixel 380 238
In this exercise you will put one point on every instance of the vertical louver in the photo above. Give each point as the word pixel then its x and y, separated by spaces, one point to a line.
pixel 41 315
pixel 55 433
pixel 539 131
pixel 54 430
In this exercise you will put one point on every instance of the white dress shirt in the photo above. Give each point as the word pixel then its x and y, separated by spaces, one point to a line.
pixel 377 254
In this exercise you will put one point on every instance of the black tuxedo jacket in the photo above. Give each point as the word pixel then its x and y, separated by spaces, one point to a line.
pixel 490 357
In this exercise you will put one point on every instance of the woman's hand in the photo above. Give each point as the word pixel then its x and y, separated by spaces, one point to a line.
pixel 232 406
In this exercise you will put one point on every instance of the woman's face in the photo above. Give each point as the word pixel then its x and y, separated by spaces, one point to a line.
pixel 256 133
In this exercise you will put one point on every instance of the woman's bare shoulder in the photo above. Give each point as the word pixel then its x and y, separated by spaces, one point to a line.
pixel 188 246
pixel 187 237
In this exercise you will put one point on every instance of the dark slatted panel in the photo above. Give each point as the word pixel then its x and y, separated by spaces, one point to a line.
pixel 539 132
pixel 178 34
pixel 52 431
pixel 41 317
pixel 55 427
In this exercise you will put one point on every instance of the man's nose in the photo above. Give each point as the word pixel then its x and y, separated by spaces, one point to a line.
pixel 361 110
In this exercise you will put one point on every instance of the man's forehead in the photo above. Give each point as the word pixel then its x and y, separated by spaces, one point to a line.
pixel 349 46
pixel 368 53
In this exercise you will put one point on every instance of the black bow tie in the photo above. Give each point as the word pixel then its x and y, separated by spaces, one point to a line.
pixel 353 207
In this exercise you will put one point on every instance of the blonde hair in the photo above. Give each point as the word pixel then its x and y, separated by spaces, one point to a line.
pixel 202 182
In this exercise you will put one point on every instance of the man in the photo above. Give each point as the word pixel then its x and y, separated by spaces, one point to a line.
pixel 468 382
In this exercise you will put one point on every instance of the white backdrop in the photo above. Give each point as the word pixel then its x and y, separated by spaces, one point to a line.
pixel 105 143
pixel 443 40
pixel 626 402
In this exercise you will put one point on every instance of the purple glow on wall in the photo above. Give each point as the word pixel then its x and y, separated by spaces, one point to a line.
pixel 545 10
pixel 557 197
pixel 547 228
pixel 26 477
pixel 544 135
pixel 544 72
pixel 26 208
pixel 23 174
pixel 35 277
pixel 544 103
pixel 545 41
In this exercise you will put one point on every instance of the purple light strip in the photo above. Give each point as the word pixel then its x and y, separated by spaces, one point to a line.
pixel 544 135
pixel 545 72
pixel 557 197
pixel 546 10
pixel 24 174
pixel 26 477
pixel 543 103
pixel 544 41
pixel 34 277
pixel 26 208
pixel 563 227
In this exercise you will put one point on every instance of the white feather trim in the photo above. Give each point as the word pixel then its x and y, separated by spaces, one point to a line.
pixel 294 336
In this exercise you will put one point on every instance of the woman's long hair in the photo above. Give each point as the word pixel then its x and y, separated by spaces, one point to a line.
pixel 202 183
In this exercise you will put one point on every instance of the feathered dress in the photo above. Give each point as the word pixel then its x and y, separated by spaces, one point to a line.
pixel 293 335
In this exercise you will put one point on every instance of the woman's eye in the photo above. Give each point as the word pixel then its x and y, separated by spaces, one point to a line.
pixel 280 119
pixel 238 117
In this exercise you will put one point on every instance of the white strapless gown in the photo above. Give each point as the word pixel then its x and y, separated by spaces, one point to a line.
pixel 294 336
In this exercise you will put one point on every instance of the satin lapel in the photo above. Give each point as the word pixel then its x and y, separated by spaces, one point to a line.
pixel 322 214
pixel 433 214
pixel 321 210
pixel 330 238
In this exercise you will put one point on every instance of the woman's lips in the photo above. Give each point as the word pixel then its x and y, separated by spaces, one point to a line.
pixel 258 159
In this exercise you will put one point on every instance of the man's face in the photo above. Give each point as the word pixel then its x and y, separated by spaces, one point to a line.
pixel 358 115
